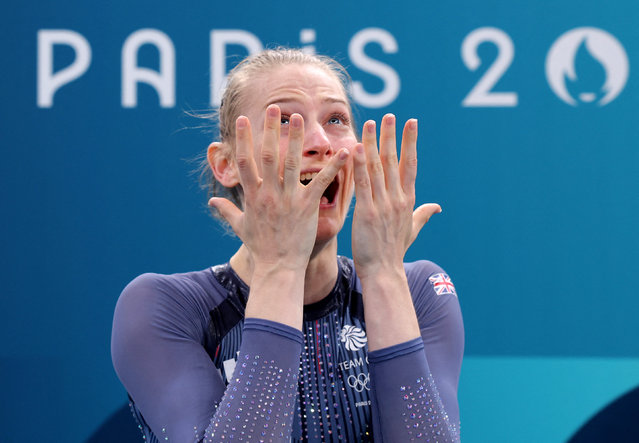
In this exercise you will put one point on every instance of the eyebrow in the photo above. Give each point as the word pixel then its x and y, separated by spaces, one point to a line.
pixel 291 99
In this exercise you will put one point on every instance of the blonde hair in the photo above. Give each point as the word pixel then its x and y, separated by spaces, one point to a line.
pixel 235 96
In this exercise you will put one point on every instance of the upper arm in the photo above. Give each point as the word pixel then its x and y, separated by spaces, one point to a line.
pixel 442 331
pixel 160 360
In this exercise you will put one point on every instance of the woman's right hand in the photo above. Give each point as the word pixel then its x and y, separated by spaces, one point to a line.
pixel 279 221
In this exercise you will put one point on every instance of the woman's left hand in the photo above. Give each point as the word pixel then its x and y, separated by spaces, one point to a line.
pixel 384 223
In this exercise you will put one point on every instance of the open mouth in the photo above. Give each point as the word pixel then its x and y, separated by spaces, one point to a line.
pixel 328 197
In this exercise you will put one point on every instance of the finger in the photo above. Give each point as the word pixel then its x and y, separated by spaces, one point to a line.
pixel 249 176
pixel 421 216
pixel 360 175
pixel 231 213
pixel 373 162
pixel 325 177
pixel 294 153
pixel 408 160
pixel 388 153
pixel 270 146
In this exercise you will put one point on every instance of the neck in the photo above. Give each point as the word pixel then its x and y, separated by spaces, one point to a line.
pixel 321 272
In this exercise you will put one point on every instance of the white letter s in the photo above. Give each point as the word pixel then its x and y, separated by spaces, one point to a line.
pixel 386 73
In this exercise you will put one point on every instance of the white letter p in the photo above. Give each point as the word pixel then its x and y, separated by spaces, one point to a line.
pixel 48 81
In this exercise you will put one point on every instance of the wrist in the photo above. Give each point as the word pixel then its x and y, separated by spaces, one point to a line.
pixel 388 308
pixel 385 283
pixel 276 294
pixel 379 273
pixel 278 283
pixel 277 270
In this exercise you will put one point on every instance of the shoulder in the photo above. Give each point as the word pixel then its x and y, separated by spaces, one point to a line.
pixel 432 289
pixel 421 269
pixel 424 277
pixel 161 300
pixel 199 286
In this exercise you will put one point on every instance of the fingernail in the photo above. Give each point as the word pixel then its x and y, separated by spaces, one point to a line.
pixel 412 123
pixel 273 111
pixel 370 127
pixel 296 121
pixel 360 149
pixel 343 154
pixel 241 122
pixel 390 119
pixel 212 201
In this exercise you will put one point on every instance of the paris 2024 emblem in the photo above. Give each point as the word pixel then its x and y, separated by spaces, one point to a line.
pixel 594 49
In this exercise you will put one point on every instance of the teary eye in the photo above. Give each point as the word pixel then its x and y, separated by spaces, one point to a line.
pixel 338 119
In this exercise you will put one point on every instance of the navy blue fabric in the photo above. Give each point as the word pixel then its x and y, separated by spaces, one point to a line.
pixel 178 340
pixel 406 402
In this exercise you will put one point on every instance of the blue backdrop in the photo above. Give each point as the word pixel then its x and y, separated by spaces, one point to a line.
pixel 528 138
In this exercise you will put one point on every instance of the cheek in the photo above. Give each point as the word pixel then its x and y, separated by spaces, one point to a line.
pixel 348 141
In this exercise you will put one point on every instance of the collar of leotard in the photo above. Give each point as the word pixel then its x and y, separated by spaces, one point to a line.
pixel 229 279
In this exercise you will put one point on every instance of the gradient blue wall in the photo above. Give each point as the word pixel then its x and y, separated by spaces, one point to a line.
pixel 540 196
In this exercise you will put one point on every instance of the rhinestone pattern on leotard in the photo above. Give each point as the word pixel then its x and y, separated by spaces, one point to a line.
pixel 258 403
pixel 424 415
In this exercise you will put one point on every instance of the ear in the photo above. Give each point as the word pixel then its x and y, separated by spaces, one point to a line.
pixel 222 165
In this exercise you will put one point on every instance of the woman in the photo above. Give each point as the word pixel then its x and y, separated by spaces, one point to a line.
pixel 288 341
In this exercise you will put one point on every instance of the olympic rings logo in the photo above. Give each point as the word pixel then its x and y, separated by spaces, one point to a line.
pixel 359 382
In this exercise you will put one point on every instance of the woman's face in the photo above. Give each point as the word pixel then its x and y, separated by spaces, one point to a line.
pixel 318 97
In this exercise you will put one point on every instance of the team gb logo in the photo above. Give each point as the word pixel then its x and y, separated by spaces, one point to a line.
pixel 589 46
pixel 353 337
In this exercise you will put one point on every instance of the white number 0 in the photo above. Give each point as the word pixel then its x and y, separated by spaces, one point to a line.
pixel 481 95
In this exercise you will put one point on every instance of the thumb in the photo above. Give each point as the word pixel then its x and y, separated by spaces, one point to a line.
pixel 229 212
pixel 421 215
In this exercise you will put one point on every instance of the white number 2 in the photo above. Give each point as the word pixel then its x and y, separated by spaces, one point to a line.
pixel 481 95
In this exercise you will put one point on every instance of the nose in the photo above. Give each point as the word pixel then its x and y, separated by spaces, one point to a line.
pixel 316 142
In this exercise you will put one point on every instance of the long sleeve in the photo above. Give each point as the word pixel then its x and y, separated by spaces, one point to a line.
pixel 405 400
pixel 158 353
pixel 414 384
pixel 259 402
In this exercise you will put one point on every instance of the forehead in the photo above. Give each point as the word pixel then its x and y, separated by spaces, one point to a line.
pixel 295 83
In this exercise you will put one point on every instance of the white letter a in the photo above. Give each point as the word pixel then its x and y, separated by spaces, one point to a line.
pixel 163 81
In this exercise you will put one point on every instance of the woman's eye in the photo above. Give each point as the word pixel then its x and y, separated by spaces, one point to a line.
pixel 338 119
pixel 285 120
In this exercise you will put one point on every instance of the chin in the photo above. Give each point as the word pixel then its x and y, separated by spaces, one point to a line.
pixel 327 229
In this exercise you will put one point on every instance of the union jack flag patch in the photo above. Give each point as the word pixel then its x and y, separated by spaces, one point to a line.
pixel 442 284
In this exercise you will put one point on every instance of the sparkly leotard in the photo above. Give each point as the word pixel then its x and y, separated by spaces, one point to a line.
pixel 196 369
